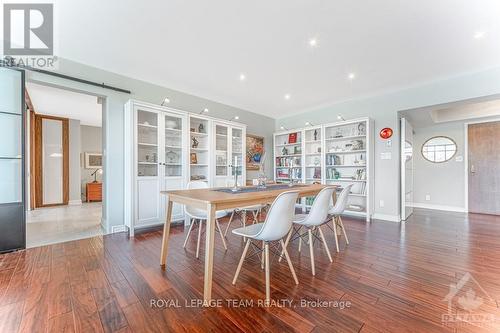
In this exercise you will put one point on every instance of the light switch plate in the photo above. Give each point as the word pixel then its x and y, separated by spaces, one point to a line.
pixel 386 156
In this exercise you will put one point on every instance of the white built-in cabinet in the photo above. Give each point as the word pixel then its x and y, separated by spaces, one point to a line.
pixel 338 154
pixel 165 148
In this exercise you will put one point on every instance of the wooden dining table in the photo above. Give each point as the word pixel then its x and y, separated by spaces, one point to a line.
pixel 213 200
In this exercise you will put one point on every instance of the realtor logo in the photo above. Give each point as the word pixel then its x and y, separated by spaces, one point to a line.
pixel 465 300
pixel 28 29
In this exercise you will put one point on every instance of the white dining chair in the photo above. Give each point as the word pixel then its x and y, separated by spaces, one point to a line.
pixel 336 211
pixel 198 216
pixel 276 226
pixel 254 211
pixel 318 216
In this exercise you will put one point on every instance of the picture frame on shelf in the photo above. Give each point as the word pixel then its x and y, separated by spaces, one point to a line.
pixel 292 138
pixel 193 158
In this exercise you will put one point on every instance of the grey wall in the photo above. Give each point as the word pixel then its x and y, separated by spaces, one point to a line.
pixel 113 122
pixel 384 110
pixel 74 161
pixel 444 182
pixel 91 142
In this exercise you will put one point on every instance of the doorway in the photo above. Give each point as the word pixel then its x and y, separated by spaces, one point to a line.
pixel 65 171
pixel 483 167
pixel 50 161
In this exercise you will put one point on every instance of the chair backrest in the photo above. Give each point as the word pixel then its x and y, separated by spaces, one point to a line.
pixel 320 207
pixel 341 203
pixel 279 218
pixel 193 185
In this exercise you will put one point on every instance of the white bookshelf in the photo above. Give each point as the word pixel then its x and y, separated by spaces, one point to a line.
pixel 339 153
pixel 288 156
pixel 159 142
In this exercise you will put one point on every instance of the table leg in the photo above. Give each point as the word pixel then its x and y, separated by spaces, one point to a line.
pixel 209 253
pixel 166 232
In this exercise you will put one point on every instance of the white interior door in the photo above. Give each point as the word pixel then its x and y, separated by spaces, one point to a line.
pixel 406 169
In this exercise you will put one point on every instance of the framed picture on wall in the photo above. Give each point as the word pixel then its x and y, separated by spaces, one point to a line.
pixel 93 160
pixel 255 149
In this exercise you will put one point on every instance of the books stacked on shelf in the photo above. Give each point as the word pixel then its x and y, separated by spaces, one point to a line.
pixel 292 173
pixel 288 161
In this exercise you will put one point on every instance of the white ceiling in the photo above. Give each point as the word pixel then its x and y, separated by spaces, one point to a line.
pixel 64 103
pixel 202 47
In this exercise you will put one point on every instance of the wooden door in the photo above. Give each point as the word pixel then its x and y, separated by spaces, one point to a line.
pixel 42 154
pixel 484 168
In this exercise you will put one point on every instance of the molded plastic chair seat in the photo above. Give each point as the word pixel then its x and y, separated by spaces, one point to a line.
pixel 276 226
pixel 200 214
pixel 249 231
pixel 318 215
pixel 335 212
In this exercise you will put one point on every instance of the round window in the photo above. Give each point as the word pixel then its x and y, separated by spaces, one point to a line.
pixel 439 149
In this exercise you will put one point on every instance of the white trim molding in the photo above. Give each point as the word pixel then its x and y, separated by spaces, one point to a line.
pixel 74 202
pixel 386 217
pixel 439 207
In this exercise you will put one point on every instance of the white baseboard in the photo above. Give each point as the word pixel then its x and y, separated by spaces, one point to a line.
pixel 118 228
pixel 438 207
pixel 386 217
pixel 74 202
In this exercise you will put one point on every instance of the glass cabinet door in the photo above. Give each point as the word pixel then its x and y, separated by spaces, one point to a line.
pixel 147 144
pixel 173 146
pixel 237 149
pixel 221 150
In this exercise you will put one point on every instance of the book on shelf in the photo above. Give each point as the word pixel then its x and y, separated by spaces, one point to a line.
pixel 292 138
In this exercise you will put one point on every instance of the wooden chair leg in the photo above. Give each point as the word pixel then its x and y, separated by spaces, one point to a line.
pixel 262 258
pixel 229 223
pixel 286 244
pixel 311 251
pixel 221 235
pixel 268 275
pixel 324 243
pixel 255 217
pixel 289 262
pixel 343 230
pixel 335 232
pixel 189 233
pixel 243 255
pixel 199 237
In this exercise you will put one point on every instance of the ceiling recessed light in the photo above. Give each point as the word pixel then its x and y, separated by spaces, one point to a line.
pixel 287 96
pixel 313 42
pixel 351 76
pixel 243 77
pixel 479 34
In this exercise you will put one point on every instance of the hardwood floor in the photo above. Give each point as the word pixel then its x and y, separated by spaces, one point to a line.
pixel 396 278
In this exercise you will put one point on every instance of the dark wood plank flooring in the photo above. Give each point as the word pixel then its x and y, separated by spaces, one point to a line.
pixel 394 276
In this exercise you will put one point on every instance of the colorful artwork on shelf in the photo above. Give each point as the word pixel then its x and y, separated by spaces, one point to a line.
pixel 255 151
pixel 292 138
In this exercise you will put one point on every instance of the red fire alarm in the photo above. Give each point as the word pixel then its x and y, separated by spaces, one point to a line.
pixel 386 133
